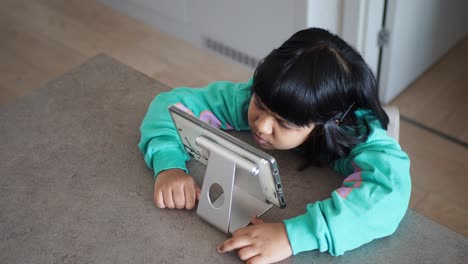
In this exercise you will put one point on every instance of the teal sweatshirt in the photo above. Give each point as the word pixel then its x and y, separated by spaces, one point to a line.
pixel 370 204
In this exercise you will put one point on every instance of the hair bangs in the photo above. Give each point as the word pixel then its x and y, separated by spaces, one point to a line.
pixel 286 96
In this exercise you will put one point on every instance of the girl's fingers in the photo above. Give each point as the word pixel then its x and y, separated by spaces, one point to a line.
pixel 178 196
pixel 243 231
pixel 158 199
pixel 167 195
pixel 258 259
pixel 197 191
pixel 189 192
pixel 256 221
pixel 234 243
pixel 247 253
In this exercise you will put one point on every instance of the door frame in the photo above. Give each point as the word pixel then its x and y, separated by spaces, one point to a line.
pixel 362 23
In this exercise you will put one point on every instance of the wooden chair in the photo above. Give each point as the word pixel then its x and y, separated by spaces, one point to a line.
pixel 393 129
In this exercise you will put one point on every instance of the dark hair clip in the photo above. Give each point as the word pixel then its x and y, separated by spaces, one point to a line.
pixel 343 116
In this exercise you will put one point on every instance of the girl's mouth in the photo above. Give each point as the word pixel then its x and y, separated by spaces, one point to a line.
pixel 259 140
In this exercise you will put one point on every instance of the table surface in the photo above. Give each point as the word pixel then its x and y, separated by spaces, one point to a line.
pixel 74 187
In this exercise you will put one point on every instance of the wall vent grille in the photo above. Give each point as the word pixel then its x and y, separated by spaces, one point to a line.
pixel 230 52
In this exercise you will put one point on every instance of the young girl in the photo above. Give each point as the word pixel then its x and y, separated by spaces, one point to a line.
pixel 314 94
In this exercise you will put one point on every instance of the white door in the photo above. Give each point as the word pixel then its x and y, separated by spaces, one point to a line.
pixel 361 23
pixel 419 33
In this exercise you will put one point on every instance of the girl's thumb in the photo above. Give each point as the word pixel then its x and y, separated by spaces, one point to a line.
pixel 197 191
pixel 256 221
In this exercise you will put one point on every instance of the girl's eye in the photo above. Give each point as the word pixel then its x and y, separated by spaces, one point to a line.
pixel 283 124
pixel 280 122
pixel 287 125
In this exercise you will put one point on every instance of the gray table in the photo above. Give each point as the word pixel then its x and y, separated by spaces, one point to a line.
pixel 75 189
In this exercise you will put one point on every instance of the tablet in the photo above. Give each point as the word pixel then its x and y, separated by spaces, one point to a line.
pixel 263 182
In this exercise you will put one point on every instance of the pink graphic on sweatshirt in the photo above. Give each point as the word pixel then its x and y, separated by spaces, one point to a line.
pixel 344 191
pixel 206 116
pixel 351 182
pixel 184 108
pixel 209 118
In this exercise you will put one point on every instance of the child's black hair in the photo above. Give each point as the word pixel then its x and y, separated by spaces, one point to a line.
pixel 316 77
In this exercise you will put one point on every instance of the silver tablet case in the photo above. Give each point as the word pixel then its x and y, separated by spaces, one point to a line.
pixel 266 187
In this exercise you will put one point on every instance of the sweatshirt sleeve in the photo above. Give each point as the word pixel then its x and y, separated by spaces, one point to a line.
pixel 222 104
pixel 370 204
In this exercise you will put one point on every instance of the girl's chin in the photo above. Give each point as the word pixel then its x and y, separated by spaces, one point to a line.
pixel 264 146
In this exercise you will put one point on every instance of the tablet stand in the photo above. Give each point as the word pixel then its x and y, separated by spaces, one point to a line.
pixel 235 207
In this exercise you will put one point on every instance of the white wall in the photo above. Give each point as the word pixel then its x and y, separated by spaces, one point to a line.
pixel 251 27
pixel 421 31
pixel 325 14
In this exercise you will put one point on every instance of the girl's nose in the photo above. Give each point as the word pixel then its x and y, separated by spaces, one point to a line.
pixel 264 124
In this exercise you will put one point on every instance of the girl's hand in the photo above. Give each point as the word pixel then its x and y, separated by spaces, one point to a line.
pixel 259 243
pixel 175 189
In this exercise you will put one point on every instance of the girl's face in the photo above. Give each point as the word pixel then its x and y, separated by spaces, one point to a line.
pixel 273 132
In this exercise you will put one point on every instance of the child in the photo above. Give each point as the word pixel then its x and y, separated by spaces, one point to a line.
pixel 315 94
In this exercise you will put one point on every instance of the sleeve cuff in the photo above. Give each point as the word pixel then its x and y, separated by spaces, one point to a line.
pixel 169 159
pixel 300 233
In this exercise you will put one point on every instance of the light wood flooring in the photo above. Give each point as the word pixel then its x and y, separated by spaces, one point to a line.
pixel 40 40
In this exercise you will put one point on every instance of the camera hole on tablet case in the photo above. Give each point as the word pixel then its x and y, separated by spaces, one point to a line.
pixel 214 193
